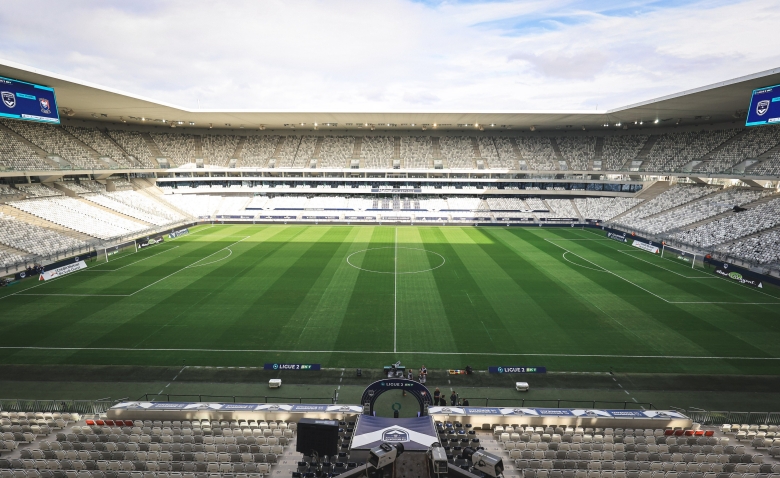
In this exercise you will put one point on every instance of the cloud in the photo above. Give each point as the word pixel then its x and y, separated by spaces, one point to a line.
pixel 397 55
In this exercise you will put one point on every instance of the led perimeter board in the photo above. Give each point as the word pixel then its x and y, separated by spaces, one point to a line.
pixel 27 101
pixel 764 106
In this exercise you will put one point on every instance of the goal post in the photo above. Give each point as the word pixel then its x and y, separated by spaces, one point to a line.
pixel 680 255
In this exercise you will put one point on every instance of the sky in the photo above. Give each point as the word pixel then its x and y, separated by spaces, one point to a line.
pixel 394 55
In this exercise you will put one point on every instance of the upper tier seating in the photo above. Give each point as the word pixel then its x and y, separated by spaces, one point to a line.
pixel 218 149
pixel 133 142
pixel 97 140
pixel 54 140
pixel 257 150
pixel 377 151
pixel 178 148
pixel 672 151
pixel 537 152
pixel 748 145
pixel 457 151
pixel 579 151
pixel 19 156
pixel 336 151
pixel 618 150
pixel 416 152
pixel 497 152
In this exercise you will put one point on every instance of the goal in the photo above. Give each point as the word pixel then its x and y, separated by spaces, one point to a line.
pixel 681 255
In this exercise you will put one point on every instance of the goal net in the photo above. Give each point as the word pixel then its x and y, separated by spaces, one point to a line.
pixel 683 256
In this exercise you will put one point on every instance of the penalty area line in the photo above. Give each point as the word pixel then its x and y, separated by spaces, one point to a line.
pixel 497 354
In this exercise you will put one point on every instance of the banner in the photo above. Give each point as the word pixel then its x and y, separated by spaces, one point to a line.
pixel 291 366
pixel 61 271
pixel 150 241
pixel 739 278
pixel 645 246
pixel 180 232
pixel 510 369
pixel 617 237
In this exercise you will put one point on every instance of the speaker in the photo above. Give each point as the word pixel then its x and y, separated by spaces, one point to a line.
pixel 321 436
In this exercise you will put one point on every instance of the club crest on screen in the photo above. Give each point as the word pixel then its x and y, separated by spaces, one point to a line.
pixel 9 99
pixel 44 106
pixel 762 107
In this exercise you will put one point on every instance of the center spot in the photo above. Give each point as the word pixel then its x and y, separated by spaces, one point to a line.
pixel 395 260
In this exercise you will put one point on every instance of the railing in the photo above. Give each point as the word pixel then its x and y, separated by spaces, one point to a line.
pixel 556 403
pixel 167 397
pixel 706 417
pixel 88 407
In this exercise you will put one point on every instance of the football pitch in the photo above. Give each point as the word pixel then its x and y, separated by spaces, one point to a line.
pixel 569 299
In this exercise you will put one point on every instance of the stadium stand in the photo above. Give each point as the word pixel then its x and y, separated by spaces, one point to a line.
pixel 79 216
pixel 15 155
pixel 96 140
pixel 377 151
pixel 582 452
pixel 604 209
pixel 178 148
pixel 671 198
pixel 218 149
pixel 537 152
pixel 56 141
pixel 258 150
pixel 37 190
pixel 559 208
pixel 579 151
pixel 64 445
pixel 336 151
pixel 457 151
pixel 134 204
pixel 697 210
pixel 416 152
pixel 35 239
pixel 672 151
pixel 750 144
pixel 763 248
pixel 762 216
pixel 133 142
pixel 195 204
pixel 506 204
pixel 618 150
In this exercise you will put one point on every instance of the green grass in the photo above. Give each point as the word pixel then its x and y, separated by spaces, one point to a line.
pixel 567 299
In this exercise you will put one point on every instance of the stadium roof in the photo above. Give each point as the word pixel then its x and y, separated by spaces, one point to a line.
pixel 715 103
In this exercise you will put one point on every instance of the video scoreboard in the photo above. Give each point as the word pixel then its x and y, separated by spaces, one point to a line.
pixel 27 101
pixel 764 106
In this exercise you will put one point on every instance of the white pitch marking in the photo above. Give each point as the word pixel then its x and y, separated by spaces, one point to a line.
pixel 664 268
pixel 496 354
pixel 95 269
pixel 143 288
pixel 580 265
pixel 656 295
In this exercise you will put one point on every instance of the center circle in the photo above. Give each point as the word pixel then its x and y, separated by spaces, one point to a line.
pixel 395 260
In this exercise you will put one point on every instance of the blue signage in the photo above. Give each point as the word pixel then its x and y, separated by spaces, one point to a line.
pixel 291 366
pixel 513 369
pixel 27 101
pixel 764 106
